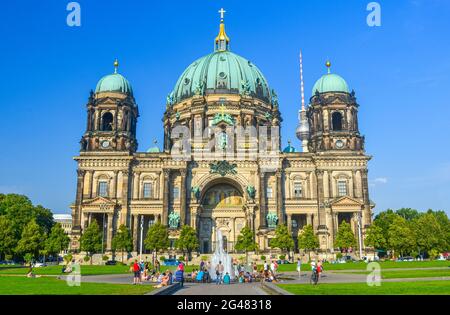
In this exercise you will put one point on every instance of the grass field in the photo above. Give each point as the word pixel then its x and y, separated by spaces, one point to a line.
pixel 423 273
pixel 56 270
pixel 363 265
pixel 386 288
pixel 10 285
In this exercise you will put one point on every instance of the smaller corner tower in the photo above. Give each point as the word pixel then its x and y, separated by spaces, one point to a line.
pixel 111 116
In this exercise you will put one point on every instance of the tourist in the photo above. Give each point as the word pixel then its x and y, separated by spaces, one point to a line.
pixel 226 279
pixel 137 273
pixel 179 276
pixel 266 266
pixel 299 267
pixel 255 270
pixel 181 266
pixel 272 266
pixel 202 264
pixel 157 265
pixel 164 281
pixel 194 275
pixel 275 267
pixel 200 276
pixel 219 272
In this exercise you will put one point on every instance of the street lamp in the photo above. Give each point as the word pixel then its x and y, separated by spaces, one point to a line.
pixel 142 233
pixel 359 235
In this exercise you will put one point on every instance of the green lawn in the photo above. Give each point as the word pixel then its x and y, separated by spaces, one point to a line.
pixel 56 270
pixel 424 273
pixel 10 285
pixel 363 265
pixel 386 288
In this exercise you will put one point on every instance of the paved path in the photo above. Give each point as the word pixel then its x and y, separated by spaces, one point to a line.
pixel 214 289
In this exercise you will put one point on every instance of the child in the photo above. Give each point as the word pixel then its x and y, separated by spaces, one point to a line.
pixel 226 279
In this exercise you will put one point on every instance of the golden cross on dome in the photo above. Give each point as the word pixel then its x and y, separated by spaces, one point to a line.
pixel 222 13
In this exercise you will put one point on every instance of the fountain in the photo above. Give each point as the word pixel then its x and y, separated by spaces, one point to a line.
pixel 220 255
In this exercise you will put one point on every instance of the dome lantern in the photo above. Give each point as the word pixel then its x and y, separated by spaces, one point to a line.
pixel 222 41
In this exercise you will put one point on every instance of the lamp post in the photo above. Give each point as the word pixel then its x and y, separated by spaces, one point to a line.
pixel 359 235
pixel 142 233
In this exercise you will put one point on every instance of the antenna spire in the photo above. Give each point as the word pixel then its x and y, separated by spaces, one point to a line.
pixel 302 87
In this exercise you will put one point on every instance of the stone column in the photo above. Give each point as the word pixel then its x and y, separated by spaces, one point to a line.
pixel 289 223
pixel 309 219
pixel 125 211
pixel 164 218
pixel 78 200
pixel 183 198
pixel 335 223
pixel 136 186
pixel 280 212
pixel 116 180
pixel 109 231
pixel 135 232
pixel 320 198
pixel 355 184
pixel 366 214
pixel 262 201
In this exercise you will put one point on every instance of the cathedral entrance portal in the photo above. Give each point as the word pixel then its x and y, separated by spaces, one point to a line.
pixel 222 210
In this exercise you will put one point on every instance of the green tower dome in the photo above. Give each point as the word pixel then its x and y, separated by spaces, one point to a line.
pixel 114 83
pixel 289 148
pixel 221 72
pixel 330 82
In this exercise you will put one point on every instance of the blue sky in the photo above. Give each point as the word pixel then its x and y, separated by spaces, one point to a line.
pixel 399 72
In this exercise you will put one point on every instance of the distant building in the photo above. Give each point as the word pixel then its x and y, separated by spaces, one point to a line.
pixel 65 220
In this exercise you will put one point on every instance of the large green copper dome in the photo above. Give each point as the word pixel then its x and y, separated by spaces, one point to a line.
pixel 221 72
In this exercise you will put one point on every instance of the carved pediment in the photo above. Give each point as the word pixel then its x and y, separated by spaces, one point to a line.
pixel 99 204
pixel 346 202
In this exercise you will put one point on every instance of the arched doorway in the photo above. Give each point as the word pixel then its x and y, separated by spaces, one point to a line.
pixel 222 208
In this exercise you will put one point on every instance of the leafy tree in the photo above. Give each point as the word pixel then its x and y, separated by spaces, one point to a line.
pixel 32 240
pixel 345 237
pixel 401 238
pixel 375 237
pixel 444 223
pixel 57 240
pixel 8 239
pixel 408 214
pixel 307 240
pixel 91 240
pixel 157 238
pixel 188 241
pixel 283 239
pixel 384 220
pixel 122 241
pixel 428 233
pixel 246 242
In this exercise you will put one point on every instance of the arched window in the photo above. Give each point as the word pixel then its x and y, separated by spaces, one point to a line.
pixel 342 187
pixel 103 188
pixel 107 122
pixel 337 121
pixel 148 190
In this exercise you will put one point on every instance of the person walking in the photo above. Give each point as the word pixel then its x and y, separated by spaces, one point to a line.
pixel 179 276
pixel 219 272
pixel 137 272
pixel 266 266
pixel 299 267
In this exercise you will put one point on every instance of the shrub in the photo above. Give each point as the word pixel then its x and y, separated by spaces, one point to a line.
pixel 181 258
pixel 162 258
pixel 105 257
pixel 282 257
pixel 433 254
pixel 339 255
pixel 204 258
pixel 263 257
pixel 86 258
pixel 68 258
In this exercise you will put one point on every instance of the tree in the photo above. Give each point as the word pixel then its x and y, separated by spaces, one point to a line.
pixel 384 220
pixel 157 238
pixel 8 240
pixel 401 237
pixel 428 233
pixel 345 238
pixel 91 240
pixel 375 237
pixel 307 240
pixel 408 214
pixel 122 241
pixel 246 242
pixel 188 241
pixel 57 240
pixel 283 239
pixel 32 240
pixel 444 223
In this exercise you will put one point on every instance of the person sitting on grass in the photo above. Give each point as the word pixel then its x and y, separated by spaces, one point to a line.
pixel 226 278
pixel 30 274
pixel 194 275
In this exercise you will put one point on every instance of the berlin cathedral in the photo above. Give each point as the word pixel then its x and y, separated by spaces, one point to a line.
pixel 206 177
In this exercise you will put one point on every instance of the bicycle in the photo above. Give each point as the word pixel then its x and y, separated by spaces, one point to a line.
pixel 314 277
